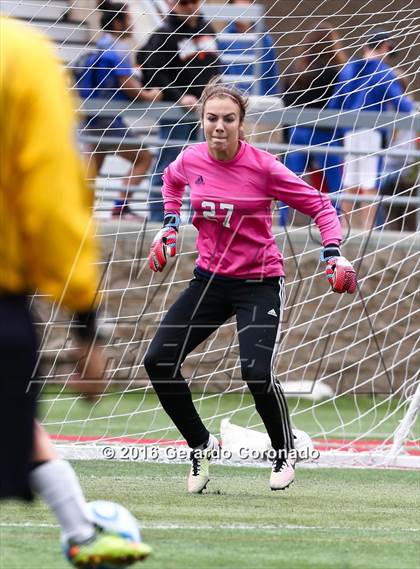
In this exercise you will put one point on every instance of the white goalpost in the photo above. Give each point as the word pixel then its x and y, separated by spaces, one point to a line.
pixel 349 364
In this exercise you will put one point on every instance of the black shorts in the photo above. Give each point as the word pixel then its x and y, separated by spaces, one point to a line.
pixel 18 356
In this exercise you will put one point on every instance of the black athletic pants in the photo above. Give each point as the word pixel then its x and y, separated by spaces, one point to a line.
pixel 18 356
pixel 202 308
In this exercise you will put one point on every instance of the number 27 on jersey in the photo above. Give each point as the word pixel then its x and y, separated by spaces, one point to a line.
pixel 210 211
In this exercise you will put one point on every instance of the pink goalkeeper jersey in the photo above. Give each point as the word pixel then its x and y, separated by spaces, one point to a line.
pixel 232 208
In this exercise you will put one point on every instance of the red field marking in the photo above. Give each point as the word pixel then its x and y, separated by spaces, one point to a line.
pixel 345 445
pixel 348 445
pixel 130 440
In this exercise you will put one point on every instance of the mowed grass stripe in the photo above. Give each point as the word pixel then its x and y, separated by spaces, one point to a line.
pixel 237 527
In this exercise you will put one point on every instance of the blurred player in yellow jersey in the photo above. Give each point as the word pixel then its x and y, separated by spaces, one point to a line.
pixel 46 244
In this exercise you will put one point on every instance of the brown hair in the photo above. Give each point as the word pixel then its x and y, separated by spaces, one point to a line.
pixel 217 89
pixel 323 48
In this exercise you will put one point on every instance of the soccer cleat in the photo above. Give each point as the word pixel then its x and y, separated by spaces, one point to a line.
pixel 282 473
pixel 198 477
pixel 107 548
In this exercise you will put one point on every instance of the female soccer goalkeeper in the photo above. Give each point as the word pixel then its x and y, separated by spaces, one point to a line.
pixel 239 271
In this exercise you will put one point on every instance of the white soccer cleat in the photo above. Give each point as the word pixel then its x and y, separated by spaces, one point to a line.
pixel 198 477
pixel 282 473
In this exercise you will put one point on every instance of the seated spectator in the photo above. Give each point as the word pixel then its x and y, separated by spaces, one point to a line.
pixel 311 83
pixel 180 58
pixel 113 77
pixel 263 70
pixel 368 84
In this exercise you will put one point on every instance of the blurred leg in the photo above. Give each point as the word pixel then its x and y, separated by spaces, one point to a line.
pixel 329 163
pixel 56 482
pixel 141 161
pixel 297 161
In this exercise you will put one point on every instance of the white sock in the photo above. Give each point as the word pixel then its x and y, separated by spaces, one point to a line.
pixel 211 444
pixel 59 486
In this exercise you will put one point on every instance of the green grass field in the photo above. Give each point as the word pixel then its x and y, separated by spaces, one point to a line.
pixel 330 519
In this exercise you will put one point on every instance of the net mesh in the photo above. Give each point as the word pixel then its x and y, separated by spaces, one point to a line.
pixel 349 364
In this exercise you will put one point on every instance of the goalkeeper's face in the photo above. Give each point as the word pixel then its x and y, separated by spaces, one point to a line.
pixel 222 127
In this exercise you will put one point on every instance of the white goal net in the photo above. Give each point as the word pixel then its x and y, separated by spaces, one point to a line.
pixel 349 364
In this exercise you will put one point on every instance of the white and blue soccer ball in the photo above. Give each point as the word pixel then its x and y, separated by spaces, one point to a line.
pixel 113 518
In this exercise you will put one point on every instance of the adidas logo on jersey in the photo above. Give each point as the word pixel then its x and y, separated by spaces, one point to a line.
pixel 200 180
pixel 272 312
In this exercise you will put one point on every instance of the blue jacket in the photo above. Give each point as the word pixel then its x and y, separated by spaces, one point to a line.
pixel 370 85
pixel 114 62
pixel 266 54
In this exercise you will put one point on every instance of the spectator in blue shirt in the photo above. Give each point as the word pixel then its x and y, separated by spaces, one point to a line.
pixel 114 78
pixel 368 84
pixel 262 70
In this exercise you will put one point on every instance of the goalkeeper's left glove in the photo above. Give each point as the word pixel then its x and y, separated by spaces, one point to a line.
pixel 340 272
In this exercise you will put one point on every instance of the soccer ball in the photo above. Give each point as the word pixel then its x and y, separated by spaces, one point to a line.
pixel 115 519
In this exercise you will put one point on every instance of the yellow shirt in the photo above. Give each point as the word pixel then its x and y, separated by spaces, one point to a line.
pixel 46 230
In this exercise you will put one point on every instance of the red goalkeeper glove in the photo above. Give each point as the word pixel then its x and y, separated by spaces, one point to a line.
pixel 164 243
pixel 340 272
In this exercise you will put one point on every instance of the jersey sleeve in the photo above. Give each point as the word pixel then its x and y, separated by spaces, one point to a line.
pixel 118 62
pixel 174 182
pixel 54 201
pixel 347 93
pixel 393 91
pixel 285 186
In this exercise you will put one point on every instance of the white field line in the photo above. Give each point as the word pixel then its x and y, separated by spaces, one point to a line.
pixel 240 527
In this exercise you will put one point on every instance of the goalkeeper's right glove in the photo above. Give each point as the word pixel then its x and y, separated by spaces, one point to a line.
pixel 164 243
